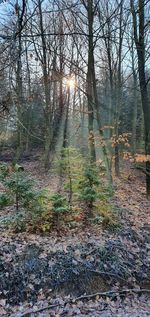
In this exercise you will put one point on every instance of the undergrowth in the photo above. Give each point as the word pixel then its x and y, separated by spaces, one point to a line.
pixel 82 197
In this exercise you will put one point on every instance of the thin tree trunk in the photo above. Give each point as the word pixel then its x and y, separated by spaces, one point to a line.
pixel 48 114
pixel 65 135
pixel 19 90
pixel 119 91
pixel 134 118
pixel 90 83
pixel 29 111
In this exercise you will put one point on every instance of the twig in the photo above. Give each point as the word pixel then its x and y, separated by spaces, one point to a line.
pixel 32 311
pixel 73 300
pixel 90 252
pixel 142 169
pixel 109 293
pixel 106 273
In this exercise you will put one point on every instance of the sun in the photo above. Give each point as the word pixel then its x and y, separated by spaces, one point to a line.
pixel 70 82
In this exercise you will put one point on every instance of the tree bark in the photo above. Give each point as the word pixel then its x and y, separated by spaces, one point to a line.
pixel 94 102
pixel 48 119
pixel 89 89
pixel 139 37
pixel 19 90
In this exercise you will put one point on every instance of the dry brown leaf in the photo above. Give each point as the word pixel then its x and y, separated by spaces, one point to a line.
pixel 3 312
pixel 2 302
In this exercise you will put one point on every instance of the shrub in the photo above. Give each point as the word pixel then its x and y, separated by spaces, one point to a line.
pixel 30 204
pixel 59 208
pixel 19 186
pixel 71 168
pixel 3 171
pixel 18 223
pixel 88 187
pixel 4 200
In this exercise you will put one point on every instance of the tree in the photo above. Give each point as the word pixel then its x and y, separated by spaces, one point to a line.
pixel 90 91
pixel 139 38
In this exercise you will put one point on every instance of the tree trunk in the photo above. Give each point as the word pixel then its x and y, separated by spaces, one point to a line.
pixel 65 135
pixel 19 91
pixel 89 90
pixel 134 118
pixel 48 114
pixel 139 37
pixel 94 100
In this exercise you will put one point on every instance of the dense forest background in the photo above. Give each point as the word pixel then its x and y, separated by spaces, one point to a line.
pixel 76 73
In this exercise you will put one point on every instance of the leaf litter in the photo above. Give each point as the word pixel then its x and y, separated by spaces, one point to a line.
pixel 38 271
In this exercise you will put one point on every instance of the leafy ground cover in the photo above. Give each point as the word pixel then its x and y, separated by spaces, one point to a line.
pixel 57 275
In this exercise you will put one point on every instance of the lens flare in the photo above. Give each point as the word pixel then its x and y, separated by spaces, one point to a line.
pixel 70 82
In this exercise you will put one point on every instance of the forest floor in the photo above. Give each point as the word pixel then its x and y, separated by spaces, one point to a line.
pixel 91 272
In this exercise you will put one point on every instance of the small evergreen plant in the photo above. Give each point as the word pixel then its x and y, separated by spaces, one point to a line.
pixel 20 187
pixel 5 200
pixel 71 168
pixel 19 191
pixel 88 187
pixel 60 208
